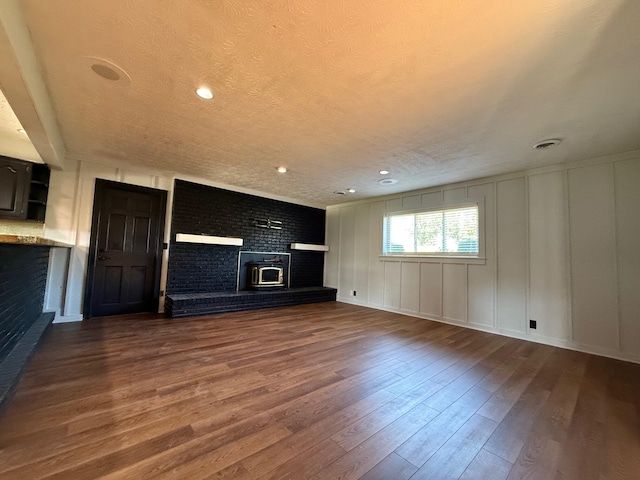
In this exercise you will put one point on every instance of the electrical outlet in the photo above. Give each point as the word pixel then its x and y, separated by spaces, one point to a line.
pixel 533 324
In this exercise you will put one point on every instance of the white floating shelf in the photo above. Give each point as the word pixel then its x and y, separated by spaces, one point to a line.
pixel 208 239
pixel 310 246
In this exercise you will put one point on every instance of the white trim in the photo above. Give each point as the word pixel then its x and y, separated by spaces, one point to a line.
pixel 422 258
pixel 68 318
pixel 467 202
pixel 310 246
pixel 553 342
pixel 208 239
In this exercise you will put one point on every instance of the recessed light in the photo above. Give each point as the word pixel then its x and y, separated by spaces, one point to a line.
pixel 204 92
pixel 339 192
pixel 22 131
pixel 548 143
pixel 387 181
pixel 384 172
pixel 282 169
pixel 351 190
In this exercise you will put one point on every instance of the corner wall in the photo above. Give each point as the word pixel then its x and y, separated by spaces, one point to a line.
pixel 561 248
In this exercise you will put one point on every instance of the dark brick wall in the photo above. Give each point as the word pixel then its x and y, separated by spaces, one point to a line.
pixel 23 273
pixel 199 209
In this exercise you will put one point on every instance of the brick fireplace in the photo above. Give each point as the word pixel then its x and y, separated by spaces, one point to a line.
pixel 207 275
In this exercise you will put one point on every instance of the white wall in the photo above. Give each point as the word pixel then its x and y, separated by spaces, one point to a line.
pixel 562 247
pixel 68 219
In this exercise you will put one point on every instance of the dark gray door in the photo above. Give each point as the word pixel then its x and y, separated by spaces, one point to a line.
pixel 126 249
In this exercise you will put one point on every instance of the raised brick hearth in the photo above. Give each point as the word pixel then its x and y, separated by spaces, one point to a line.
pixel 191 304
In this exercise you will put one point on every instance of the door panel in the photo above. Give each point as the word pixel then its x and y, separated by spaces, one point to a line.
pixel 141 234
pixel 116 229
pixel 112 285
pixel 128 225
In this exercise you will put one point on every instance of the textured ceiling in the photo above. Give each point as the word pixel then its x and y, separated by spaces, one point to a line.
pixel 435 91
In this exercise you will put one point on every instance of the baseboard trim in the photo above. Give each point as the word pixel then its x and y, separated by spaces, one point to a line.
pixel 552 342
pixel 69 318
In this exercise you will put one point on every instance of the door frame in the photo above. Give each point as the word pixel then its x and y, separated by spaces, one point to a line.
pixel 100 187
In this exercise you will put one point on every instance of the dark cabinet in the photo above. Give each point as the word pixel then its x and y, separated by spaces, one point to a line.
pixel 24 188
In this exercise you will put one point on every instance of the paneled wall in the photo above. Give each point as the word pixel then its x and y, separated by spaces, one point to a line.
pixel 561 247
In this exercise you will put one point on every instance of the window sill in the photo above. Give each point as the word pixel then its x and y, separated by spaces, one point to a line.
pixel 436 258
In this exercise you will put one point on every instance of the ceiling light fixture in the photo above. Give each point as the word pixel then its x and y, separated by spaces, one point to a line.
pixel 387 181
pixel 339 192
pixel 22 131
pixel 282 169
pixel 548 143
pixel 384 172
pixel 351 190
pixel 204 92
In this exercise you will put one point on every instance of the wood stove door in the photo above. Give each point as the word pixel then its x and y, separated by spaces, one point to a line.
pixel 126 250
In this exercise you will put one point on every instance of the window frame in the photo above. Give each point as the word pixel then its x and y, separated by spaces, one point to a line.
pixel 468 202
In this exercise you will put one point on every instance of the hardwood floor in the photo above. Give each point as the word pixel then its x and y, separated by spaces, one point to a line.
pixel 322 391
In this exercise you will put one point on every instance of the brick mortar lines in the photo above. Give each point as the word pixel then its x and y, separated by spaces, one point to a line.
pixel 199 209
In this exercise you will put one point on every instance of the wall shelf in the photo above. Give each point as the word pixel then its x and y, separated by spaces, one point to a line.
pixel 310 247
pixel 208 239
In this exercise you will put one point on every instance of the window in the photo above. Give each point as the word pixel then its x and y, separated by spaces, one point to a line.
pixel 448 231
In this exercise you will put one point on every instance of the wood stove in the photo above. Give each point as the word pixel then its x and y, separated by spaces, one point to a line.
pixel 265 275
pixel 263 270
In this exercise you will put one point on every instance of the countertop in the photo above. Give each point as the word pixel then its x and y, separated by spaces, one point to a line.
pixel 32 240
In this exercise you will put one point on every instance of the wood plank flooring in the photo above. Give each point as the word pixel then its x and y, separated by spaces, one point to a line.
pixel 322 391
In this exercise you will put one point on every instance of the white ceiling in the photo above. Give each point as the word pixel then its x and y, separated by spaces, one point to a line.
pixel 435 91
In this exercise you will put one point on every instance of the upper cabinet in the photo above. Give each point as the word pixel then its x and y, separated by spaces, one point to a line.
pixel 24 188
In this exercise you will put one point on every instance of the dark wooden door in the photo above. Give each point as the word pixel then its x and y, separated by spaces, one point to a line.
pixel 126 250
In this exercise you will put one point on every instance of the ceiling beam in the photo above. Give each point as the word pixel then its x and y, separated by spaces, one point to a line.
pixel 23 85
